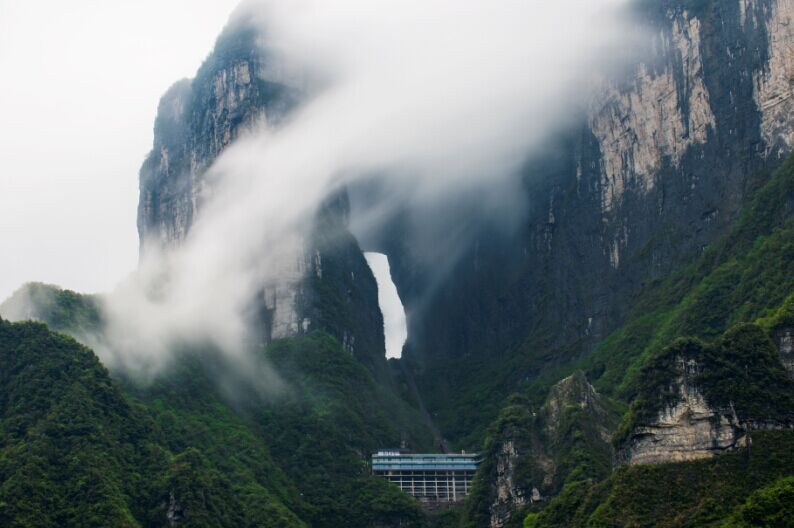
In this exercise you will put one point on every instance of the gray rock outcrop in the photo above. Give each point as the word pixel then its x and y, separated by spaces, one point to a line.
pixel 530 454
pixel 686 429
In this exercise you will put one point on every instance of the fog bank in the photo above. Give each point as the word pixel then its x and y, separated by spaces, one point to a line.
pixel 430 98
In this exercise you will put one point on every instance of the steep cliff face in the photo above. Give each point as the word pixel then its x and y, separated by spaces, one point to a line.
pixel 687 429
pixel 774 81
pixel 511 493
pixel 667 107
pixel 657 172
pixel 239 85
pixel 326 283
pixel 698 401
pixel 661 112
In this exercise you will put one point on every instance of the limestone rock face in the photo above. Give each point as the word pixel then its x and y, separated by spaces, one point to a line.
pixel 640 124
pixel 688 429
pixel 236 88
pixel 510 490
pixel 687 424
pixel 774 82
pixel 576 390
pixel 175 512
pixel 323 281
pixel 665 107
pixel 529 458
pixel 507 490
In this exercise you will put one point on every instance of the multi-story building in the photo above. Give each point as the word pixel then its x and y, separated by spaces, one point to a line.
pixel 430 477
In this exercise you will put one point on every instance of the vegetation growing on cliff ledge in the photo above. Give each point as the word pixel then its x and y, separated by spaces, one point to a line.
pixel 718 491
pixel 563 442
pixel 705 311
pixel 739 373
pixel 744 277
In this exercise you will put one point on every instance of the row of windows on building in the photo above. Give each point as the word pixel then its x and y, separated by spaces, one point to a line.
pixel 428 477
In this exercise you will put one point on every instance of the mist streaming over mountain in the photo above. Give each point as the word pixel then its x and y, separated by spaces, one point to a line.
pixel 582 211
pixel 441 100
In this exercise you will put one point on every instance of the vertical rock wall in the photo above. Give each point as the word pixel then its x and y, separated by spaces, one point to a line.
pixel 658 115
pixel 327 284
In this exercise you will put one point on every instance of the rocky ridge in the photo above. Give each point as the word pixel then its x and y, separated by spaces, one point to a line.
pixel 688 429
pixel 533 453
pixel 707 399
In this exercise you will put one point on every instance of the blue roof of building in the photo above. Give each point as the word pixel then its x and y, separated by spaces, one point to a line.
pixel 394 460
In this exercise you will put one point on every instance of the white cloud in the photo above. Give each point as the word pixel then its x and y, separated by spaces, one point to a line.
pixel 435 97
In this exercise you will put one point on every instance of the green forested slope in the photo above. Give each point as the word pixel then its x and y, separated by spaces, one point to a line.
pixel 62 310
pixel 566 440
pixel 744 277
pixel 78 449
pixel 713 492
pixel 309 440
pixel 73 451
pixel 748 276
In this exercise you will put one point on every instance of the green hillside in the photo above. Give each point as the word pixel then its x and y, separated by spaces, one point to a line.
pixel 701 311
pixel 80 449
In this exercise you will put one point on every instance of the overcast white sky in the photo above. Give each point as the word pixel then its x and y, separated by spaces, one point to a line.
pixel 80 85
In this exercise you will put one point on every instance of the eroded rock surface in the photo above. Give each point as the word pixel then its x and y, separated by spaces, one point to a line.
pixel 774 82
pixel 686 429
pixel 639 125
pixel 531 452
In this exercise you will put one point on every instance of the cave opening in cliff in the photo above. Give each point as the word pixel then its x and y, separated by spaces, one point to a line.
pixel 395 329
